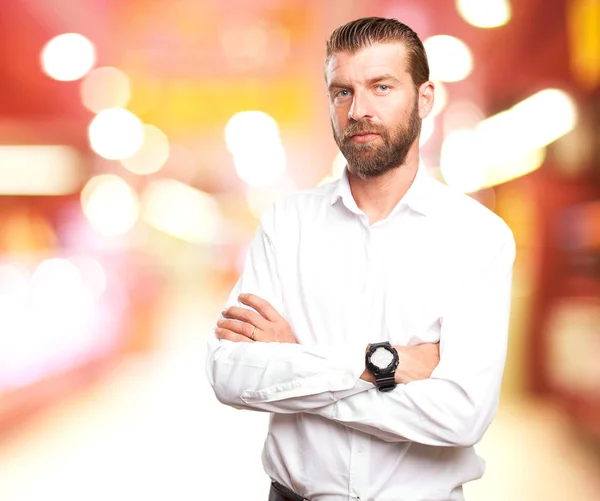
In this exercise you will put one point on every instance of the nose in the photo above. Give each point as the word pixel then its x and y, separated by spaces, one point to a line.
pixel 359 108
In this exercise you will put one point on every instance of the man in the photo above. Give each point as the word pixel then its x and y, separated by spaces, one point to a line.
pixel 355 290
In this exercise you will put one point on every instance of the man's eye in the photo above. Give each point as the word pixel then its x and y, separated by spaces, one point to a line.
pixel 383 87
pixel 343 93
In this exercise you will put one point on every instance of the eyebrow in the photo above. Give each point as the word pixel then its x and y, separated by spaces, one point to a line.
pixel 336 84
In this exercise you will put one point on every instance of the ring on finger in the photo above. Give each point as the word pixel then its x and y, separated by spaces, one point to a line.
pixel 253 332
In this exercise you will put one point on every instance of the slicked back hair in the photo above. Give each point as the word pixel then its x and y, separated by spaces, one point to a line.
pixel 361 33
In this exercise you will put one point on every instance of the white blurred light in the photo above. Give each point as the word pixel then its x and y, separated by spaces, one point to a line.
pixel 246 128
pixel 54 276
pixel 153 153
pixel 441 98
pixel 339 164
pixel 39 170
pixel 181 211
pixel 485 13
pixel 92 274
pixel 261 167
pixel 253 139
pixel 105 87
pixel 68 57
pixel 450 59
pixel 62 308
pixel 461 161
pixel 13 286
pixel 337 168
pixel 427 128
pixel 110 204
pixel 116 133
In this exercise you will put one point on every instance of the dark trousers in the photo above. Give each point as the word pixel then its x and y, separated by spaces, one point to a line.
pixel 280 493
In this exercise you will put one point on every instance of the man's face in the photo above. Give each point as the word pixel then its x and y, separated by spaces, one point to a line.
pixel 374 108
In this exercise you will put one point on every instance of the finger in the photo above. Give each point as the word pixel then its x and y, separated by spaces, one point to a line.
pixel 261 305
pixel 237 327
pixel 231 336
pixel 244 315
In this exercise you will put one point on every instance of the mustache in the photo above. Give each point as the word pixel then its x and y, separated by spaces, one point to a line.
pixel 362 127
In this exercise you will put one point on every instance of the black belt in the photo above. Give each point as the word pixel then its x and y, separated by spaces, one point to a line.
pixel 279 492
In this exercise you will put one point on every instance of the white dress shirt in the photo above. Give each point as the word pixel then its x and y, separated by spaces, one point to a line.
pixel 438 268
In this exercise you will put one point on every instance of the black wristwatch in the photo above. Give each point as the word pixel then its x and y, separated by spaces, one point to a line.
pixel 381 360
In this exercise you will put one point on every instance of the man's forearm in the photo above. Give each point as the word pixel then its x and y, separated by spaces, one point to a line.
pixel 416 363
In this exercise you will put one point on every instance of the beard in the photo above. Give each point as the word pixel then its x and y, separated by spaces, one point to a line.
pixel 373 159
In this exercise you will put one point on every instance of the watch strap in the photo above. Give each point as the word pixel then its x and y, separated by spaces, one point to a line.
pixel 385 382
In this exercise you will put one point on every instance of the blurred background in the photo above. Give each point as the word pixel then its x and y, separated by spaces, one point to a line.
pixel 139 143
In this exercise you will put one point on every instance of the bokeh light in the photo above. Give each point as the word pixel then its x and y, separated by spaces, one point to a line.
pixel 92 273
pixel 485 13
pixel 450 59
pixel 116 133
pixel 68 57
pixel 441 98
pixel 105 87
pixel 427 128
pixel 153 153
pixel 181 211
pixel 461 161
pixel 110 204
pixel 253 139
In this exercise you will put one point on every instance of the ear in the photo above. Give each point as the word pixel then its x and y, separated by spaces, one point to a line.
pixel 426 99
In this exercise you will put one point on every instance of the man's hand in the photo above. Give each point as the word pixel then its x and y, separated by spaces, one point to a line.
pixel 245 325
pixel 416 363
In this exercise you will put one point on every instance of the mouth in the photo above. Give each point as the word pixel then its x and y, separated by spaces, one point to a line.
pixel 363 137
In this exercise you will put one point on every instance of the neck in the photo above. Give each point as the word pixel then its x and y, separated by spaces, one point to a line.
pixel 378 196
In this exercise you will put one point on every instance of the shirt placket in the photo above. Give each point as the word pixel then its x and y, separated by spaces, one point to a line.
pixel 360 442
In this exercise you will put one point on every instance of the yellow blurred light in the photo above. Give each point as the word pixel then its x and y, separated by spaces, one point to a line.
pixel 450 59
pixel 461 161
pixel 181 211
pixel 247 129
pixel 116 133
pixel 509 144
pixel 105 87
pixel 583 30
pixel 260 198
pixel 110 204
pixel 153 153
pixel 253 139
pixel 68 57
pixel 498 173
pixel 441 98
pixel 39 170
pixel 529 125
pixel 485 13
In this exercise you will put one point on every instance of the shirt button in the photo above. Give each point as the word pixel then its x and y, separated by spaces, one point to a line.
pixel 359 450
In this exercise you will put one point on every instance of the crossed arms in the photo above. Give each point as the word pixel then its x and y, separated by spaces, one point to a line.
pixel 450 403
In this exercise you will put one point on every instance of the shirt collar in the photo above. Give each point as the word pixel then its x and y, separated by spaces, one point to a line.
pixel 419 196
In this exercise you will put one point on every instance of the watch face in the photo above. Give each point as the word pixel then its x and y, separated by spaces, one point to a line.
pixel 382 358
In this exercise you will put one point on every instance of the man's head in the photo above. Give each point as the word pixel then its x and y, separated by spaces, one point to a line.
pixel 377 76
